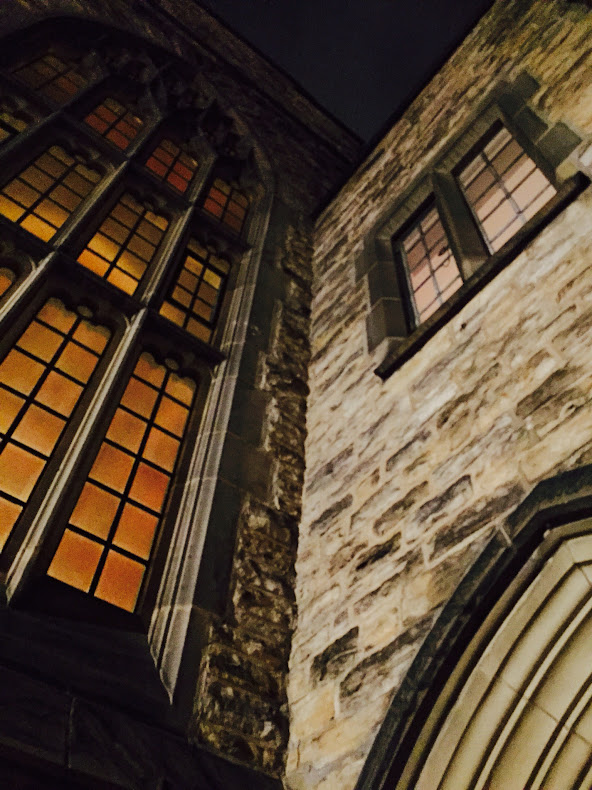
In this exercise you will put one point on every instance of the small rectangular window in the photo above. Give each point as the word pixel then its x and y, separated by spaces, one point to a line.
pixel 41 380
pixel 431 268
pixel 227 203
pixel 108 543
pixel 42 197
pixel 115 122
pixel 172 163
pixel 195 295
pixel 57 78
pixel 504 188
pixel 125 244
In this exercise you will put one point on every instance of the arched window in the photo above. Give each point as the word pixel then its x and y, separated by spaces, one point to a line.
pixel 108 342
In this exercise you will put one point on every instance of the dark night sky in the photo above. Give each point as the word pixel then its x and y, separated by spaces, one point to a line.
pixel 359 58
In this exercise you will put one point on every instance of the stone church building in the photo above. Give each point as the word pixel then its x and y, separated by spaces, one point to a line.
pixel 295 438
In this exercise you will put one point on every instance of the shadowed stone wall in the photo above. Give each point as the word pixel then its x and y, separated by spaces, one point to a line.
pixel 408 478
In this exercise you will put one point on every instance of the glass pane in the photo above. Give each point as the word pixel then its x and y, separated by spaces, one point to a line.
pixel 501 184
pixel 136 531
pixel 120 581
pixel 19 471
pixel 39 430
pixel 112 467
pixel 139 397
pixel 95 511
pixel 10 405
pixel 172 416
pixel 20 372
pixel 59 393
pixel 75 561
pixel 9 513
pixel 126 430
pixel 161 449
pixel 149 487
pixel 77 362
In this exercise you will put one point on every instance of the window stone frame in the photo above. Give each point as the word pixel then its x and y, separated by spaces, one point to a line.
pixel 390 327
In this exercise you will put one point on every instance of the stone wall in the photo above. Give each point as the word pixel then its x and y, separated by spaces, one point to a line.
pixel 408 478
pixel 241 704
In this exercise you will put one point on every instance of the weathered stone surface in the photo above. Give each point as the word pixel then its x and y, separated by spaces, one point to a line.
pixel 437 455
pixel 378 666
pixel 335 657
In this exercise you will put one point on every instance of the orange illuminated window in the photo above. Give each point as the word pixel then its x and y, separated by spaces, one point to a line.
pixel 504 188
pixel 7 278
pixel 42 197
pixel 431 267
pixel 107 546
pixel 227 204
pixel 125 244
pixel 195 296
pixel 41 380
pixel 115 122
pixel 57 78
pixel 173 164
pixel 12 121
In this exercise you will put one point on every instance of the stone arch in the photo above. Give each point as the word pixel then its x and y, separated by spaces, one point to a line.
pixel 499 696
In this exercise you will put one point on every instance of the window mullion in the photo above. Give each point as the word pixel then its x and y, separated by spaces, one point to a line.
pixel 87 209
pixel 26 288
pixel 464 238
pixel 171 241
pixel 22 566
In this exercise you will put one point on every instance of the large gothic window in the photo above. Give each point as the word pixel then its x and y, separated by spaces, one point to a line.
pixel 105 342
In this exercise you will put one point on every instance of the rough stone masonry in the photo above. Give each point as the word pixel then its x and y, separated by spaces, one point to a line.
pixel 408 478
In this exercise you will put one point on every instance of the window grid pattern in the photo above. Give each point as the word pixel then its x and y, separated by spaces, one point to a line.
pixel 107 545
pixel 431 267
pixel 227 203
pixel 504 188
pixel 41 380
pixel 57 78
pixel 115 122
pixel 171 162
pixel 12 122
pixel 7 279
pixel 42 197
pixel 125 244
pixel 195 295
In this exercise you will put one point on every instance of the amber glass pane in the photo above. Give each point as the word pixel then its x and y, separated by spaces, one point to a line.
pixel 131 477
pixel 125 244
pixel 227 203
pixel 115 122
pixel 55 77
pixel 195 295
pixel 36 400
pixel 42 197
pixel 120 581
pixel 136 531
pixel 95 510
pixel 9 513
pixel 172 163
pixel 504 187
pixel 7 278
pixel 75 561
pixel 433 272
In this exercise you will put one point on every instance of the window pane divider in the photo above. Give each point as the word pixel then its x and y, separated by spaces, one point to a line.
pixel 22 566
pixel 166 254
pixel 79 218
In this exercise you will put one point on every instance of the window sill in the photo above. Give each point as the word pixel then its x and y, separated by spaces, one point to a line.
pixel 397 355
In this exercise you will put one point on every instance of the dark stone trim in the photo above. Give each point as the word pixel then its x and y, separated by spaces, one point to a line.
pixel 553 502
pixel 396 356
